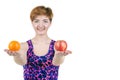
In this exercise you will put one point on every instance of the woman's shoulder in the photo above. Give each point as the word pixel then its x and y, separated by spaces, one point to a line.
pixel 53 40
pixel 23 48
pixel 24 45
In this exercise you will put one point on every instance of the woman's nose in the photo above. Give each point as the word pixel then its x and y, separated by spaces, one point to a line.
pixel 40 24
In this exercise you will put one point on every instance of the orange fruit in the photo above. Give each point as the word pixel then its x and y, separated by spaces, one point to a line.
pixel 14 46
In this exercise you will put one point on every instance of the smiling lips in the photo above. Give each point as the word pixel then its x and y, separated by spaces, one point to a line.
pixel 40 29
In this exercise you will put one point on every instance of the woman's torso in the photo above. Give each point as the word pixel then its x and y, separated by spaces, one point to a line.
pixel 40 67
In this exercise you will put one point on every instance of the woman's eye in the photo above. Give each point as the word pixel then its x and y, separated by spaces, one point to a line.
pixel 45 21
pixel 36 21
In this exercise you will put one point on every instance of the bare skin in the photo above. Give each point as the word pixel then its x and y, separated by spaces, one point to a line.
pixel 40 42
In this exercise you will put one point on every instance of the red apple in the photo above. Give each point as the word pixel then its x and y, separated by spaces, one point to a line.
pixel 61 45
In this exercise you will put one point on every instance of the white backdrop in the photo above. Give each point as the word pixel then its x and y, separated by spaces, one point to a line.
pixel 90 27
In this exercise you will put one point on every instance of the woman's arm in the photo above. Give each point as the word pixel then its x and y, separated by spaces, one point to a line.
pixel 59 57
pixel 19 56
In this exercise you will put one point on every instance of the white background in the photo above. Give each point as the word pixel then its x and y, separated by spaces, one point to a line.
pixel 90 27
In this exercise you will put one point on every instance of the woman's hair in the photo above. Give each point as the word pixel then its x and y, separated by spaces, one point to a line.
pixel 41 10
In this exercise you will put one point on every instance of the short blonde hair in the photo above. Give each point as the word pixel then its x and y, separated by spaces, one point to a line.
pixel 41 10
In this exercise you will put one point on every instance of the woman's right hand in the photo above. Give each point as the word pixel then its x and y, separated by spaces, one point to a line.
pixel 11 53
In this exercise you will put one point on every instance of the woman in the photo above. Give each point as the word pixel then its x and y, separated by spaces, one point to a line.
pixel 37 56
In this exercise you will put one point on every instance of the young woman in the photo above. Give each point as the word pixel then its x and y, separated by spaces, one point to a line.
pixel 38 56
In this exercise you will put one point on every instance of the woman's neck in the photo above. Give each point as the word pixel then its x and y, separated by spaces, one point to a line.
pixel 43 39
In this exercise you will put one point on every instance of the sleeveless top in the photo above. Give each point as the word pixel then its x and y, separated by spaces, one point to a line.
pixel 40 67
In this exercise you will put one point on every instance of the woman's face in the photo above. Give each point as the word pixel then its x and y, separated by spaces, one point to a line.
pixel 41 24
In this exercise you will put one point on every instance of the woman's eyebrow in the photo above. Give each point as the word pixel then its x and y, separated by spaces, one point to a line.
pixel 36 19
pixel 45 19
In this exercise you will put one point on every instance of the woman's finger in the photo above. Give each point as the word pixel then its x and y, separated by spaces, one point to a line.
pixel 68 51
pixel 11 53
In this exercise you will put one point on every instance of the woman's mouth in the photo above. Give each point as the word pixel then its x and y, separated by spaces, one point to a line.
pixel 41 29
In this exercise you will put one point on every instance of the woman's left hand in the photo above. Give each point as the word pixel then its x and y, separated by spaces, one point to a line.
pixel 63 53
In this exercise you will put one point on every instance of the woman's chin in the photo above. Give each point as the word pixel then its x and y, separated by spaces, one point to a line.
pixel 41 33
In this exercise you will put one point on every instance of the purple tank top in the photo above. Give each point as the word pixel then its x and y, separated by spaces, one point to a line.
pixel 40 67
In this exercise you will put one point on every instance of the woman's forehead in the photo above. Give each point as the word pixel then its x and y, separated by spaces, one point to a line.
pixel 41 17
